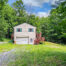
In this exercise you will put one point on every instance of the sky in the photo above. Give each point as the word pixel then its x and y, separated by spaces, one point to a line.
pixel 40 8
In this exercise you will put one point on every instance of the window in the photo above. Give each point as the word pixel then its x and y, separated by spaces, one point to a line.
pixel 19 29
pixel 31 30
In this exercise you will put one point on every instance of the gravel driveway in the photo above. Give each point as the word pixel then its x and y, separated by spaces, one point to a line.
pixel 7 57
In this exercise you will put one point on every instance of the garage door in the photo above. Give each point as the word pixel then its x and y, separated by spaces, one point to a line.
pixel 21 40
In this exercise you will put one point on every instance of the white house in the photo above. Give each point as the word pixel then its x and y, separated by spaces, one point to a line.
pixel 24 34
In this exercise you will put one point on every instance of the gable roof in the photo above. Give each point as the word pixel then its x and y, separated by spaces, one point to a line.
pixel 26 24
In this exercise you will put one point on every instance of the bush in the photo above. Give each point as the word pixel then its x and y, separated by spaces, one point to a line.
pixel 41 42
pixel 1 39
pixel 11 41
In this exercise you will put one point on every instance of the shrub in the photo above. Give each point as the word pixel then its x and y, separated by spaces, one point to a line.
pixel 11 41
pixel 41 42
pixel 1 39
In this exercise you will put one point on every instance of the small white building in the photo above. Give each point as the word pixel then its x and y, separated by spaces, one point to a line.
pixel 24 34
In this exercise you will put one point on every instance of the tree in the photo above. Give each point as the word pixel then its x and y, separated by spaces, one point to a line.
pixel 10 17
pixel 7 20
pixel 3 24
pixel 58 21
pixel 35 21
pixel 57 3
pixel 20 12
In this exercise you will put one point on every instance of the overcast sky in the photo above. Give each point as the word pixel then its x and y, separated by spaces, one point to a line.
pixel 40 8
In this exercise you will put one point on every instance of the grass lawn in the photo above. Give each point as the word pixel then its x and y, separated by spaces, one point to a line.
pixel 5 40
pixel 47 54
pixel 6 47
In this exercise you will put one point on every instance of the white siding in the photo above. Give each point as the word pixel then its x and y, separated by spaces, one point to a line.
pixel 25 33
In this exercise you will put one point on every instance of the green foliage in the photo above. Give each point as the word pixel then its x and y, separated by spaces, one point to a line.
pixel 2 3
pixel 41 42
pixel 10 17
pixel 53 28
pixel 7 20
pixel 3 24
pixel 58 22
pixel 3 28
pixel 20 11
pixel 63 35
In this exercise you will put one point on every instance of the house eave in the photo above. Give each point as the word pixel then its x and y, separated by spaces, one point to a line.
pixel 24 23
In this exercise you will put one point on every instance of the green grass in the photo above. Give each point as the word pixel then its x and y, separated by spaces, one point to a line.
pixel 5 40
pixel 47 54
pixel 6 47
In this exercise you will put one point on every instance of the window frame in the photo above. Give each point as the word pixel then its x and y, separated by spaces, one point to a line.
pixel 31 30
pixel 18 29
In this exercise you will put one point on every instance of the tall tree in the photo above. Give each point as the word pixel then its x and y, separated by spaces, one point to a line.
pixel 10 17
pixel 58 20
pixel 19 9
pixel 3 24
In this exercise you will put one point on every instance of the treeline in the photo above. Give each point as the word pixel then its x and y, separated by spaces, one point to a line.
pixel 53 27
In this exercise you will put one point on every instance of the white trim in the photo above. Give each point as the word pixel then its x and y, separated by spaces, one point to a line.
pixel 24 23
